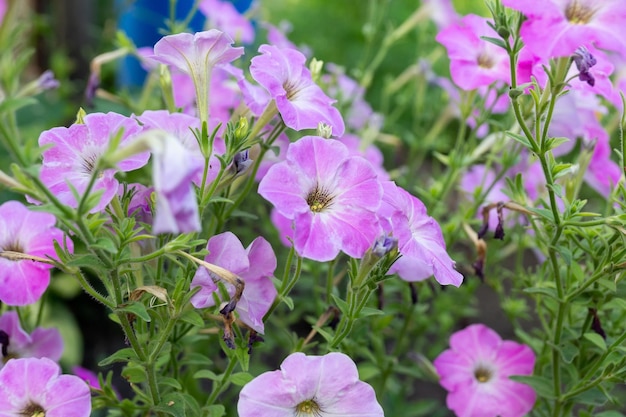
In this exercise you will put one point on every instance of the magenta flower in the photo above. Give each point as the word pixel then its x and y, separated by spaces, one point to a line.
pixel 474 62
pixel 34 387
pixel 197 55
pixel 556 28
pixel 32 233
pixel 255 265
pixel 75 152
pixel 420 240
pixel 19 344
pixel 321 386
pixel 476 369
pixel 173 170
pixel 301 103
pixel 330 196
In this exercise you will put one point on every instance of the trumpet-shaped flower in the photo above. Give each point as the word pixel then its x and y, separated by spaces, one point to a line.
pixel 420 241
pixel 196 55
pixel 173 170
pixel 556 28
pixel 254 264
pixel 474 62
pixel 19 344
pixel 476 369
pixel 224 16
pixel 31 233
pixel 35 387
pixel 320 386
pixel 330 196
pixel 300 101
pixel 70 162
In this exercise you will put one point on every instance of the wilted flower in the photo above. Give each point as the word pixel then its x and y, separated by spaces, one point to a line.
pixel 476 369
pixel 301 103
pixel 331 197
pixel 320 386
pixel 76 150
pixel 34 387
pixel 255 265
pixel 584 61
pixel 19 344
pixel 31 233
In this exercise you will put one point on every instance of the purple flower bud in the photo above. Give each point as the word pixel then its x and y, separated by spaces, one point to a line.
pixel 46 81
pixel 241 162
pixel 92 85
pixel 584 61
pixel 383 245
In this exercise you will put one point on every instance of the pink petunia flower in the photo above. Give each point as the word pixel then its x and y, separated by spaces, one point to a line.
pixel 75 152
pixel 474 62
pixel 173 170
pixel 321 386
pixel 255 265
pixel 330 196
pixel 224 16
pixel 19 344
pixel 34 387
pixel 556 28
pixel 301 103
pixel 32 233
pixel 476 369
pixel 420 241
pixel 196 55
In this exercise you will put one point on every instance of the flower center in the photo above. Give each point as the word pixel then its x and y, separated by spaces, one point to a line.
pixel 319 199
pixel 88 163
pixel 33 410
pixel 308 408
pixel 579 14
pixel 12 246
pixel 483 374
pixel 292 90
pixel 485 60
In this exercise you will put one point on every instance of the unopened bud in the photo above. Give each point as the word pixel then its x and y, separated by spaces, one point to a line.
pixel 324 130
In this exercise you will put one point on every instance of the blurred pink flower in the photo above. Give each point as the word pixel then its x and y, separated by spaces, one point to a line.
pixel 441 12
pixel 23 282
pixel 556 28
pixel 370 152
pixel 223 15
pixel 420 240
pixel 34 387
pixel 321 386
pixel 3 9
pixel 476 369
pixel 301 103
pixel 76 150
pixel 330 196
pixel 255 265
pixel 474 62
pixel 19 344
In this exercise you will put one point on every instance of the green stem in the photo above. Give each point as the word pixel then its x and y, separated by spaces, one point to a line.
pixel 222 384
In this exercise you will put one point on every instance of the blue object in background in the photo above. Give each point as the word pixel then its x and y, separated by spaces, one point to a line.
pixel 141 21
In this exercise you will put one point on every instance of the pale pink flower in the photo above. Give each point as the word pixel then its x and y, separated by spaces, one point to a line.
pixel 476 369
pixel 300 101
pixel 76 150
pixel 330 196
pixel 420 241
pixel 223 15
pixel 35 387
pixel 321 386
pixel 32 233
pixel 254 264
pixel 40 343
pixel 474 62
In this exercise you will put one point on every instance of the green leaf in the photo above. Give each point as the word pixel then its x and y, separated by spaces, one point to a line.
pixel 596 339
pixel 192 317
pixel 521 139
pixel 552 143
pixel 342 305
pixel 368 371
pixel 123 355
pixel 550 292
pixel 216 410
pixel 134 374
pixel 368 311
pixel 12 104
pixel 241 378
pixel 206 374
pixel 170 382
pixel 105 244
pixel 137 308
pixel 591 397
pixel 543 386
pixel 173 404
pixel 496 41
